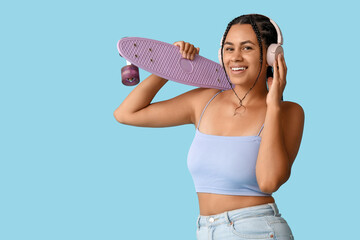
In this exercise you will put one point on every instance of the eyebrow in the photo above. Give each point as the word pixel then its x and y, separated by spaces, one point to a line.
pixel 242 43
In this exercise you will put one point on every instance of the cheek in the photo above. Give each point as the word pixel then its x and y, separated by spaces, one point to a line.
pixel 225 55
pixel 226 59
pixel 256 63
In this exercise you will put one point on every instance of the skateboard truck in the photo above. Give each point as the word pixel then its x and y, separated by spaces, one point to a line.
pixel 130 74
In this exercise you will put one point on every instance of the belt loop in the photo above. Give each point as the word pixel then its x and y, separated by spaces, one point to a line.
pixel 227 218
pixel 275 209
pixel 198 222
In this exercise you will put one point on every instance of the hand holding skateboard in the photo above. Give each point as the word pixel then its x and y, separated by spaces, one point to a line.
pixel 187 50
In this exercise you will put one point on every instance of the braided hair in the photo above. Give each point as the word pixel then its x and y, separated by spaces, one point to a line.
pixel 265 32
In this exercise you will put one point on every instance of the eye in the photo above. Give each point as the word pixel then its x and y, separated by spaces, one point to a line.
pixel 229 49
pixel 247 48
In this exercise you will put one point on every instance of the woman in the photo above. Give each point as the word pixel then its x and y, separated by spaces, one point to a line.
pixel 246 141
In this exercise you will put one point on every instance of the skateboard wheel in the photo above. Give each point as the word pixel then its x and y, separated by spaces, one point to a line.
pixel 130 75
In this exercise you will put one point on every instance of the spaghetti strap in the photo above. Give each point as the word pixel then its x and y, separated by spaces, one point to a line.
pixel 206 107
pixel 261 129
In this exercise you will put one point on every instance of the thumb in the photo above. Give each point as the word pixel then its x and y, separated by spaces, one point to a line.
pixel 197 50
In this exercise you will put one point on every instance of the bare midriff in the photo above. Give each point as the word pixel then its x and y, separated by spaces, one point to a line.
pixel 212 204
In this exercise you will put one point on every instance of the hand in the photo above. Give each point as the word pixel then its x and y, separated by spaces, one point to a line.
pixel 278 83
pixel 187 50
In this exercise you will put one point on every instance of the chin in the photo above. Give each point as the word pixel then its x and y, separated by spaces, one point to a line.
pixel 240 81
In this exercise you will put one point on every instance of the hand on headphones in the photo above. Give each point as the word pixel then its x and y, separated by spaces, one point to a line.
pixel 277 83
pixel 187 50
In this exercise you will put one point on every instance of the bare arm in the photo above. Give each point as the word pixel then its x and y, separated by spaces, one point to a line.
pixel 279 146
pixel 281 137
pixel 137 109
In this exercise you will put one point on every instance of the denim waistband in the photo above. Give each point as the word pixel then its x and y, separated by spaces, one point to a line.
pixel 269 209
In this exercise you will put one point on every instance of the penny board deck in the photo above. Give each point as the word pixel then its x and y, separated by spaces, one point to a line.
pixel 165 60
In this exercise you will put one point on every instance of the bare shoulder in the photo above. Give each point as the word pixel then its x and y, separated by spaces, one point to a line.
pixel 292 110
pixel 199 97
pixel 202 92
pixel 202 96
pixel 293 118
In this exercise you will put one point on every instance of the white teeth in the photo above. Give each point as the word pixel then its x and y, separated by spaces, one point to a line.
pixel 239 68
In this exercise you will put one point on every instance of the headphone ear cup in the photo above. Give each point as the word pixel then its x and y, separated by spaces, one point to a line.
pixel 272 52
pixel 219 56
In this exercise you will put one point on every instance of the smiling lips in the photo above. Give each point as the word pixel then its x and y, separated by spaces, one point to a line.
pixel 239 69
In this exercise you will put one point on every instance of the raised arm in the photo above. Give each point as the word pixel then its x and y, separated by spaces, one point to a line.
pixel 282 134
pixel 137 109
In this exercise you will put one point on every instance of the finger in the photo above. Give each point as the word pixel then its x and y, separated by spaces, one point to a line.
pixel 192 55
pixel 186 47
pixel 194 52
pixel 275 70
pixel 284 64
pixel 281 68
pixel 285 68
pixel 180 44
pixel 197 50
pixel 190 51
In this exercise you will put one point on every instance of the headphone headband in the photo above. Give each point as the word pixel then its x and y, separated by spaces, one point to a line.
pixel 278 31
pixel 280 39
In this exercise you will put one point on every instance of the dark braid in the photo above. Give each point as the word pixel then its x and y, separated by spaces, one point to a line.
pixel 222 57
pixel 256 30
pixel 268 35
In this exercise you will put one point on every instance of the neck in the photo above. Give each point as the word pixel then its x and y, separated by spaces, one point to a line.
pixel 255 95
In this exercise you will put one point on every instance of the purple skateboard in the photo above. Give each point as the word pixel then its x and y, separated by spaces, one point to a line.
pixel 164 59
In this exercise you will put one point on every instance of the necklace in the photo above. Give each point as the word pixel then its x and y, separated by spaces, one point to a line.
pixel 242 107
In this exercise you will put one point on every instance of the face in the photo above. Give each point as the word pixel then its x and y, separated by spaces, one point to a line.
pixel 241 55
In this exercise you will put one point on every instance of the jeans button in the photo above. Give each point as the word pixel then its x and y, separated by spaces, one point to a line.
pixel 211 219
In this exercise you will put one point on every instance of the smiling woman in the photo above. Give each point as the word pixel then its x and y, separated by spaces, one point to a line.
pixel 245 47
pixel 241 56
pixel 246 145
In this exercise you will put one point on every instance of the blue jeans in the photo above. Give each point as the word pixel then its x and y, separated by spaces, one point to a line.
pixel 257 222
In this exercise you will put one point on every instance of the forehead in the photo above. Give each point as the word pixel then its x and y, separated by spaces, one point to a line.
pixel 240 33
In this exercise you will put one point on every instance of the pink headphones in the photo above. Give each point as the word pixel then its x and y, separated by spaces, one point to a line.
pixel 273 50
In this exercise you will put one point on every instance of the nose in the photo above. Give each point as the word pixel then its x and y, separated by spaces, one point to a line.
pixel 236 56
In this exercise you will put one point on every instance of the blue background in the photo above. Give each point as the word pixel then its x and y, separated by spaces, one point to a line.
pixel 70 171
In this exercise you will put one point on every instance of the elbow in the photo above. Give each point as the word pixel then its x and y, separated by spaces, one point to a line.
pixel 272 184
pixel 268 187
pixel 119 116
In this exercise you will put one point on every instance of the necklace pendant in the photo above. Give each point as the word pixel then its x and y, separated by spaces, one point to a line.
pixel 240 110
